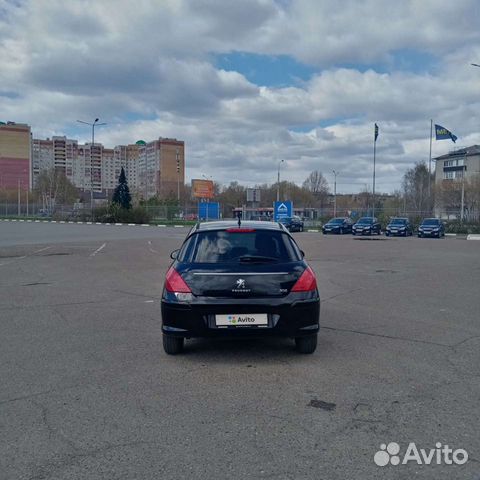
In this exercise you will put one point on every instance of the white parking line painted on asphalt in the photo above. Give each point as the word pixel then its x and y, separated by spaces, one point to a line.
pixel 131 224
pixel 119 224
pixel 41 250
pixel 161 225
pixel 473 236
pixel 152 249
pixel 25 256
pixel 99 249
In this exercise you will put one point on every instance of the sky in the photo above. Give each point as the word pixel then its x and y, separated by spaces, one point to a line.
pixel 249 83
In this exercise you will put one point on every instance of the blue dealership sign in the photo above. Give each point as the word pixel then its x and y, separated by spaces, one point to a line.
pixel 208 210
pixel 282 210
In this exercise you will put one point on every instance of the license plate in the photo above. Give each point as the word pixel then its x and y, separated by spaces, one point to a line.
pixel 241 320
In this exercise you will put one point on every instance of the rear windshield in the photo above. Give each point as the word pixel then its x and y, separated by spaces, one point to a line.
pixel 223 246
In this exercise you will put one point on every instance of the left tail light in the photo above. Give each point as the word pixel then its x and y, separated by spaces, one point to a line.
pixel 307 282
pixel 175 283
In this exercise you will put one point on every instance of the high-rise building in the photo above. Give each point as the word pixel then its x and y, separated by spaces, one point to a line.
pixel 60 153
pixel 127 156
pixel 161 167
pixel 110 169
pixel 15 156
pixel 152 169
pixel 42 157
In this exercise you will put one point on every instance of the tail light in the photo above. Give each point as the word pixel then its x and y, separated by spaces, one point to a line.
pixel 306 283
pixel 175 283
pixel 240 230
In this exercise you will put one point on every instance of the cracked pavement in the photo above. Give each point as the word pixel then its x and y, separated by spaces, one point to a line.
pixel 86 391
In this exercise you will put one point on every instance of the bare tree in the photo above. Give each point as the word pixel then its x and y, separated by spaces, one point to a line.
pixel 52 187
pixel 415 186
pixel 318 186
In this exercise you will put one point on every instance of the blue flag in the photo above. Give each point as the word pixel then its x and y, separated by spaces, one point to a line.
pixel 441 133
pixel 376 132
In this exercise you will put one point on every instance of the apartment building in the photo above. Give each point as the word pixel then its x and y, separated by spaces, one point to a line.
pixel 155 168
pixel 110 169
pixel 127 156
pixel 58 152
pixel 458 163
pixel 15 156
pixel 42 157
pixel 457 176
pixel 161 167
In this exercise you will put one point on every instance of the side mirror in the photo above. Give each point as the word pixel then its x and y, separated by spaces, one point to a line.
pixel 174 254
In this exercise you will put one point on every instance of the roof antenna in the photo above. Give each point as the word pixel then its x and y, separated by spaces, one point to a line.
pixel 239 215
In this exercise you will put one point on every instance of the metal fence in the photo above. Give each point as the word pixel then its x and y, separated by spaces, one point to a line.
pixel 190 213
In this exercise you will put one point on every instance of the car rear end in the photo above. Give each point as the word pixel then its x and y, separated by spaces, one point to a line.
pixel 240 281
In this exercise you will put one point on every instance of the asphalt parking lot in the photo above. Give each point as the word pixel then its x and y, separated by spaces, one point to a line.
pixel 86 391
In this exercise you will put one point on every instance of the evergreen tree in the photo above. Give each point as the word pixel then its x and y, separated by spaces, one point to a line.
pixel 121 195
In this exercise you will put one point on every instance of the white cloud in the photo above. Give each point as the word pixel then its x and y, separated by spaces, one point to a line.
pixel 146 69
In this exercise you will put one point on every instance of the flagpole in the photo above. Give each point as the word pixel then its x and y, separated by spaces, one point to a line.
pixel 374 155
pixel 430 168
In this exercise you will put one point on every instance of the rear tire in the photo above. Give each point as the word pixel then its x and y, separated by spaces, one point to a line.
pixel 173 345
pixel 306 344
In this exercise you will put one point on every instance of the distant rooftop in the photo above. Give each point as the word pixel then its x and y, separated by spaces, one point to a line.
pixel 463 151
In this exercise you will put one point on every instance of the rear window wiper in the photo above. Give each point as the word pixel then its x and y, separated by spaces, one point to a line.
pixel 256 259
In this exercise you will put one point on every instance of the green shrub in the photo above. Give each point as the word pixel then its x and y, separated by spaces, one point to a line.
pixel 463 228
pixel 114 213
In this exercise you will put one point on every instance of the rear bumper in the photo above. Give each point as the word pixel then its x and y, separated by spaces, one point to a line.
pixel 287 317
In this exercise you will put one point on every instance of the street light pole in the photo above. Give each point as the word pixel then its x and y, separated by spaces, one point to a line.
pixel 335 193
pixel 18 195
pixel 178 176
pixel 91 159
pixel 278 180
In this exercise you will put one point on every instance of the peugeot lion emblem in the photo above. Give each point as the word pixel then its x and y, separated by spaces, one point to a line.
pixel 240 283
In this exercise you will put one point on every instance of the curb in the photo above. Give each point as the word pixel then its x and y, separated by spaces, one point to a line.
pixel 95 223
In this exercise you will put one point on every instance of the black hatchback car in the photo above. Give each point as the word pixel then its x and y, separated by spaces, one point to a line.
pixel 231 280
pixel 367 226
pixel 399 226
pixel 292 224
pixel 338 225
pixel 431 227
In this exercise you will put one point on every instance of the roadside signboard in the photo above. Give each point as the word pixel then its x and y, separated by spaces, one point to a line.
pixel 202 188
pixel 253 194
pixel 282 210
pixel 208 211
